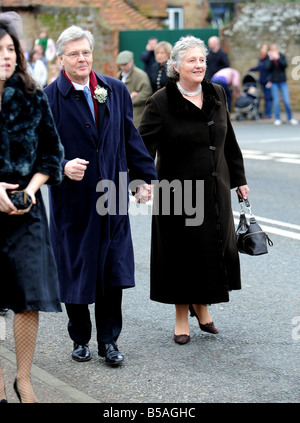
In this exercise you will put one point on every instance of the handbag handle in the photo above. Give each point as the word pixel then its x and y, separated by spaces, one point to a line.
pixel 244 201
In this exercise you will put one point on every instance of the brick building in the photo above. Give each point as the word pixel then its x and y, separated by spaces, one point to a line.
pixel 104 18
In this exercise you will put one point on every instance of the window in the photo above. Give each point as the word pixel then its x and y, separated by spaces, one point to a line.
pixel 175 20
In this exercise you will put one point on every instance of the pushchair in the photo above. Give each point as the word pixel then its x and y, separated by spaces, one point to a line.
pixel 248 102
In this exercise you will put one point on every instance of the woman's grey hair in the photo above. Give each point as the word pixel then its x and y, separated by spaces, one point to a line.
pixel 73 33
pixel 179 50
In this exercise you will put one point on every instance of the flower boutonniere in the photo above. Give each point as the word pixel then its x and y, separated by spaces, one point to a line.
pixel 100 94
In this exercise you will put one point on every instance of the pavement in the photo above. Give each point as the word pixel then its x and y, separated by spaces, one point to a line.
pixel 295 114
pixel 48 388
pixel 58 380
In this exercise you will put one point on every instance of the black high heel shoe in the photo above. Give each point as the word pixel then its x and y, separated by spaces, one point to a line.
pixel 17 390
pixel 18 393
pixel 208 327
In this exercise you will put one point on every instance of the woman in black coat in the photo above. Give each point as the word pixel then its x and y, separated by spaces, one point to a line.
pixel 158 72
pixel 194 259
pixel 30 155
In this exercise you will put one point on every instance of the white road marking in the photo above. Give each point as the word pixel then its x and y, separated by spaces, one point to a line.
pixel 273 226
pixel 273 229
pixel 269 140
pixel 278 157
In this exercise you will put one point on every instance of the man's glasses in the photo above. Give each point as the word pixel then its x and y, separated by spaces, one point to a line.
pixel 76 54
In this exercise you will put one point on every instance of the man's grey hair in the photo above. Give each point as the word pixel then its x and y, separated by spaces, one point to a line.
pixel 73 33
pixel 179 50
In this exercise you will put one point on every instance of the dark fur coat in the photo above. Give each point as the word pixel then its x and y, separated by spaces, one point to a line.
pixel 29 141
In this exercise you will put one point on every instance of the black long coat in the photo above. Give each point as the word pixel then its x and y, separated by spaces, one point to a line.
pixel 193 264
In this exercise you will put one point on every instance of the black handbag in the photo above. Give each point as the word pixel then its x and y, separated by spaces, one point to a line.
pixel 20 199
pixel 250 238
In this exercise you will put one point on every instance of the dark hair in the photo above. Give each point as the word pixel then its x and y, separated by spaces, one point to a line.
pixel 29 85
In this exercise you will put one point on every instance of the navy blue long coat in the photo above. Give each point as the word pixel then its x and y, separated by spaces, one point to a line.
pixel 91 249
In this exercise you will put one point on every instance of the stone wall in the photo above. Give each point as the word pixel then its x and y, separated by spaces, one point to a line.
pixel 270 23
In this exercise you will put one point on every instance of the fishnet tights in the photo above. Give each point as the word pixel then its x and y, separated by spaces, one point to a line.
pixel 2 389
pixel 25 331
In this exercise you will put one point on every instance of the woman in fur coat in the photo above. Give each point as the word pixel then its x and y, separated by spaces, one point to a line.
pixel 30 155
pixel 194 259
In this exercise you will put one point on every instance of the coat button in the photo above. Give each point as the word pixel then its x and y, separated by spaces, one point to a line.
pixel 77 97
pixel 87 124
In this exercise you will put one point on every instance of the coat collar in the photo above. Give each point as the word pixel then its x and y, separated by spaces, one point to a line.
pixel 65 86
pixel 178 104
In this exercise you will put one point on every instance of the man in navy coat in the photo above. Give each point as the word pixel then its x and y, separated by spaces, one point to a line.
pixel 89 222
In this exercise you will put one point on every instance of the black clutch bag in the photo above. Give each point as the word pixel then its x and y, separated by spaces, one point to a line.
pixel 250 238
pixel 20 199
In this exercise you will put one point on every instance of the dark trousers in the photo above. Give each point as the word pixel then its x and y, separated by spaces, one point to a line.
pixel 108 318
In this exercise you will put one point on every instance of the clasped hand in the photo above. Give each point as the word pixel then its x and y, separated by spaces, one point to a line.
pixel 6 205
pixel 143 193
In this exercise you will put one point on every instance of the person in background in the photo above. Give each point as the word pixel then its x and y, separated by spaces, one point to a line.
pixel 276 64
pixel 148 57
pixel 53 72
pixel 38 48
pixel 194 258
pixel 264 80
pixel 24 46
pixel 217 58
pixel 158 75
pixel 30 156
pixel 48 45
pixel 37 69
pixel 89 221
pixel 136 81
pixel 230 80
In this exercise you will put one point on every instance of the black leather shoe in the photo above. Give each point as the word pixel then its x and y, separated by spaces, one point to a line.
pixel 111 353
pixel 81 353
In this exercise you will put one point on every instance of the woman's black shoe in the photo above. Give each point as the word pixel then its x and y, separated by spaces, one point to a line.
pixel 17 391
pixel 181 339
pixel 208 327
